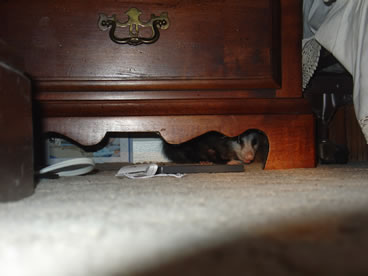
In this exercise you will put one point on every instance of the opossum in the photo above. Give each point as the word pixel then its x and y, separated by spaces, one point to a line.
pixel 214 147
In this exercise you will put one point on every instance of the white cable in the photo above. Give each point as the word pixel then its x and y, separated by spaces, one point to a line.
pixel 72 167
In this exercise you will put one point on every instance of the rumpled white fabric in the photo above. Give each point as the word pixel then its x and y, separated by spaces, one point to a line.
pixel 314 14
pixel 342 28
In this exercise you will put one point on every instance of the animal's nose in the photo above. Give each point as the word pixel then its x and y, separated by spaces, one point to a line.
pixel 249 157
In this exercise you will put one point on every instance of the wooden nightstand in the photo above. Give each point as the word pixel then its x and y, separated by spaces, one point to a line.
pixel 217 65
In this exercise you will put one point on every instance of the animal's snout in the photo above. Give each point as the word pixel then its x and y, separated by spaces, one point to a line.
pixel 248 157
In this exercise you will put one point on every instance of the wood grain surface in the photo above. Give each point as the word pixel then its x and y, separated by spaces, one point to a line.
pixel 290 137
pixel 233 43
pixel 221 65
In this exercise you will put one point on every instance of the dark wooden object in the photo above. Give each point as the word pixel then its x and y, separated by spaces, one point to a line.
pixel 327 91
pixel 344 129
pixel 16 140
pixel 222 65
pixel 198 168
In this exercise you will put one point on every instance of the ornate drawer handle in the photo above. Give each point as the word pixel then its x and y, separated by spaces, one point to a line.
pixel 110 22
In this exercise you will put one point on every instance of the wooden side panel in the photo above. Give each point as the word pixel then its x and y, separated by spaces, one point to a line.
pixel 356 142
pixel 291 137
pixel 345 130
pixel 291 57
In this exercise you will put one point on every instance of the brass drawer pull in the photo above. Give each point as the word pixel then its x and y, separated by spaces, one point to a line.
pixel 110 22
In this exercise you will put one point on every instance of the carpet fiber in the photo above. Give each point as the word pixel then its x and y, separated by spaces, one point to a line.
pixel 287 222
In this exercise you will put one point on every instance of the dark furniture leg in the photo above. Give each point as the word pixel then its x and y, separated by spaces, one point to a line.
pixel 327 92
pixel 16 148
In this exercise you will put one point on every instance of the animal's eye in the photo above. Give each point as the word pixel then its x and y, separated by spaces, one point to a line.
pixel 254 142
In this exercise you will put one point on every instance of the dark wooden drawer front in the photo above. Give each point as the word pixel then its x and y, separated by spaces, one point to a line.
pixel 209 44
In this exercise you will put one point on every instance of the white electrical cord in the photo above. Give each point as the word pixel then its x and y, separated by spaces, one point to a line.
pixel 143 171
pixel 72 167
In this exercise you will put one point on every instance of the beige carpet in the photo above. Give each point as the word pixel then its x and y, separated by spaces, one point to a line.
pixel 289 222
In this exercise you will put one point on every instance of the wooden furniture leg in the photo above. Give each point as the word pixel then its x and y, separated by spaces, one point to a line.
pixel 16 144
